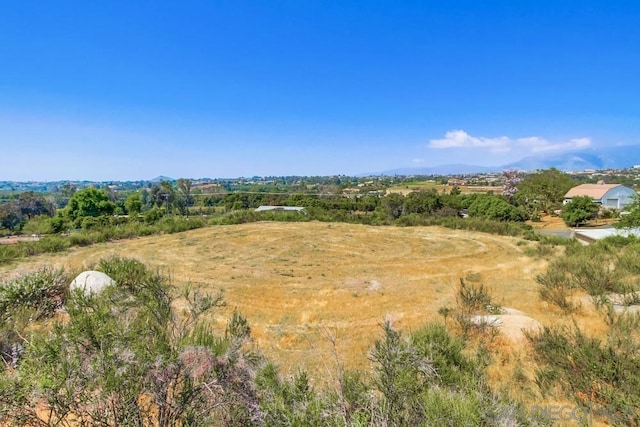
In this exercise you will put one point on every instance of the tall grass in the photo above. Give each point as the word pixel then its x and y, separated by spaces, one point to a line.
pixel 23 300
pixel 99 232
pixel 42 291
pixel 598 375
pixel 604 268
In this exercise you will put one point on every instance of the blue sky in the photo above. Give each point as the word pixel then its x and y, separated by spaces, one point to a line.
pixel 130 90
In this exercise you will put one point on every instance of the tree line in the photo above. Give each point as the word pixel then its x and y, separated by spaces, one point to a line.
pixel 522 197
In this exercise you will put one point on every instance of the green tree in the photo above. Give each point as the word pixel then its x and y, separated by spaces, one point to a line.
pixel 579 210
pixel 133 203
pixel 422 202
pixel 163 194
pixel 68 190
pixel 630 217
pixel 89 202
pixel 544 190
pixel 494 207
pixel 32 205
pixel 392 205
pixel 10 217
pixel 184 199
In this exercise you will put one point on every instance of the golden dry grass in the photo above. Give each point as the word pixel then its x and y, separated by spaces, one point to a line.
pixel 300 283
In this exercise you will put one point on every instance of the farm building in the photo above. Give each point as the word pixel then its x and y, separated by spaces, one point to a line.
pixel 280 208
pixel 612 196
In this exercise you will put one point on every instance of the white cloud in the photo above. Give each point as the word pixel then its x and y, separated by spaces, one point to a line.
pixel 573 144
pixel 417 161
pixel 460 138
pixel 504 144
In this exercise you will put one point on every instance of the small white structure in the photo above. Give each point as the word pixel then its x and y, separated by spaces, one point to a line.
pixel 91 282
pixel 280 208
pixel 612 196
pixel 587 236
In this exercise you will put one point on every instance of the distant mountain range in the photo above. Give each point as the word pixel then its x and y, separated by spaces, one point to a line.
pixel 596 158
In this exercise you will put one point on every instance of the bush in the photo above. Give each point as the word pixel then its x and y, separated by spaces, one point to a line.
pixel 127 358
pixel 126 272
pixel 153 215
pixel 25 299
pixel 9 253
pixel 42 291
pixel 494 208
pixel 541 249
pixel 597 375
pixel 428 380
pixel 178 224
pixel 86 238
pixel 475 298
pixel 605 267
pixel 39 225
pixel 516 229
pixel 48 244
pixel 556 288
pixel 236 217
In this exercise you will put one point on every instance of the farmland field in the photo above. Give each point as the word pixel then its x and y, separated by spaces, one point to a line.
pixel 301 284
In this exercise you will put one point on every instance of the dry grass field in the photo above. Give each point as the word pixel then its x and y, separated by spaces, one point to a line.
pixel 301 285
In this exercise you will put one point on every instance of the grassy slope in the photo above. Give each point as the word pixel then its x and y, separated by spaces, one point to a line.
pixel 299 283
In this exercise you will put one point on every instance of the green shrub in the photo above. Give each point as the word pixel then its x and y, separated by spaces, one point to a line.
pixel 38 225
pixel 428 380
pixel 43 291
pixel 411 220
pixel 153 215
pixel 598 375
pixel 556 286
pixel 85 238
pixel 178 224
pixel 10 253
pixel 494 208
pixel 579 210
pixel 23 300
pixel 608 266
pixel 475 298
pixel 48 244
pixel 236 217
pixel 540 250
pixel 126 272
pixel 504 228
pixel 127 358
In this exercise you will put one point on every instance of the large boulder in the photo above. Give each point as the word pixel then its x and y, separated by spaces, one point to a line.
pixel 91 282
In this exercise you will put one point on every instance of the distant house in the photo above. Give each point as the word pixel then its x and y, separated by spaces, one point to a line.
pixel 612 196
pixel 280 208
pixel 456 182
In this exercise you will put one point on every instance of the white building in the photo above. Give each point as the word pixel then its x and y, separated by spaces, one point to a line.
pixel 612 196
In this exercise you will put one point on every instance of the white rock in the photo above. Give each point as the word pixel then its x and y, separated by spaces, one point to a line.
pixel 91 282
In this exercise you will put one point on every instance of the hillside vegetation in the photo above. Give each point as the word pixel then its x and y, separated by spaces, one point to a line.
pixel 331 313
pixel 375 308
pixel 294 282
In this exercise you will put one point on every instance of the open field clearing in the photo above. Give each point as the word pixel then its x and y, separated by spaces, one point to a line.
pixel 301 284
pixel 410 187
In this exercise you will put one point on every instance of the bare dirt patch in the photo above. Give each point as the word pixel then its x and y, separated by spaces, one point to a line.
pixel 12 240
